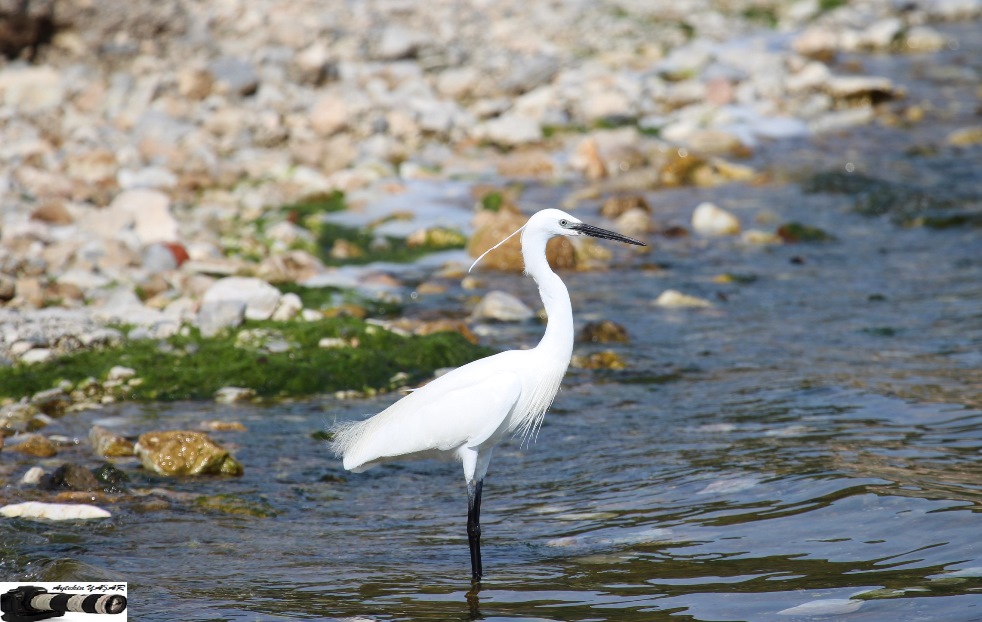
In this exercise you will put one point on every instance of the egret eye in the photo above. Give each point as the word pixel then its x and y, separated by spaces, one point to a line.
pixel 563 223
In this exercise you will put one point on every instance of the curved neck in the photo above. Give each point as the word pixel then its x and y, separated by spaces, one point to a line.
pixel 558 337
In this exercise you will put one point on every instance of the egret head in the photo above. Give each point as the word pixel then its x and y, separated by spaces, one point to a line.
pixel 551 222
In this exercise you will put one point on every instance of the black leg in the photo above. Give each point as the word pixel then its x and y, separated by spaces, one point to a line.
pixel 474 527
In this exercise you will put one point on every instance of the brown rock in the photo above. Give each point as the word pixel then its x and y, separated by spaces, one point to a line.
pixel 446 325
pixel 617 205
pixel 29 292
pixel 223 426
pixel 195 83
pixel 108 444
pixel 508 256
pixel 36 445
pixel 599 360
pixel 527 163
pixel 53 213
pixel 98 166
pixel 587 158
pixel 181 452
pixel 70 476
pixel 604 331
pixel 8 287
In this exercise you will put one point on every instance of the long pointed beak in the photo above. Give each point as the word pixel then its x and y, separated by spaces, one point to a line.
pixel 597 232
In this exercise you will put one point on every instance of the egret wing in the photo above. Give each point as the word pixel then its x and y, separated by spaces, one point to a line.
pixel 441 417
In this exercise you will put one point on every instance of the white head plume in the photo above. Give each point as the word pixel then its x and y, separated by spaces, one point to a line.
pixel 519 230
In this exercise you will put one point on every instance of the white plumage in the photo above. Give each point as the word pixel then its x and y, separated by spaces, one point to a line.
pixel 467 411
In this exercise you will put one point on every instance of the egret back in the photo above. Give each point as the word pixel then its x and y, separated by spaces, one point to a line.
pixel 466 407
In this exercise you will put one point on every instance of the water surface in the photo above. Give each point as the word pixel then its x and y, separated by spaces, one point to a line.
pixel 808 446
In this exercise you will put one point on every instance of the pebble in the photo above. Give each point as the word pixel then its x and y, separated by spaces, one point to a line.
pixel 34 445
pixel 673 299
pixel 231 300
pixel 53 511
pixel 288 307
pixel 32 476
pixel 501 306
pixel 713 221
pixel 108 444
pixel 234 395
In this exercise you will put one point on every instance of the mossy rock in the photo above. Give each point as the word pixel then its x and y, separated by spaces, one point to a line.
pixel 235 505
pixel 192 367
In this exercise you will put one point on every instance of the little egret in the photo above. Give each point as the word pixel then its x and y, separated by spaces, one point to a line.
pixel 464 413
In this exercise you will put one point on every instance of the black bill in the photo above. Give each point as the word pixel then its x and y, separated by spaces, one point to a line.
pixel 597 232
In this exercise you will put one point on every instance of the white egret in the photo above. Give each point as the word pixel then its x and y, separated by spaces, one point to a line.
pixel 464 413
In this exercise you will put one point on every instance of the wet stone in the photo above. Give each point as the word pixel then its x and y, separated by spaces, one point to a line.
pixel 181 453
pixel 604 331
pixel 110 445
pixel 71 477
pixel 35 445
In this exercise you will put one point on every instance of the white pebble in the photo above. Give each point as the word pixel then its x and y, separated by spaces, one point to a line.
pixel 53 511
pixel 710 220
pixel 673 299
pixel 33 475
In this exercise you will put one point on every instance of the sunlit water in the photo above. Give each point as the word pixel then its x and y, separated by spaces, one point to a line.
pixel 812 441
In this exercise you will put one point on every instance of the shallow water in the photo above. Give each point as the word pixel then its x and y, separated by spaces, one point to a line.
pixel 812 441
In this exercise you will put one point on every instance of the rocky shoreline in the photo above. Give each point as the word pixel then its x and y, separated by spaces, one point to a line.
pixel 144 147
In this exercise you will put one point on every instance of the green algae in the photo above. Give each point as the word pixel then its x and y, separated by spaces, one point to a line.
pixel 956 204
pixel 190 367
pixel 361 245
pixel 370 247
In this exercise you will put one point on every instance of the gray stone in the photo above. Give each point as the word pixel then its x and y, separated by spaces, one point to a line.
pixel 502 307
pixel 259 297
pixel 398 42
pixel 289 306
pixel 235 76
pixel 218 315
pixel 509 130
pixel 529 73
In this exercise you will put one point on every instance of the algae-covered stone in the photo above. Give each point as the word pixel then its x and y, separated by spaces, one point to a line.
pixel 607 359
pixel 181 452
pixel 235 505
pixel 604 331
pixel 52 402
pixel 108 444
pixel 36 445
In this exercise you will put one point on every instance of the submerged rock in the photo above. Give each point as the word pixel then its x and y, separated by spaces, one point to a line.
pixel 181 452
pixel 671 299
pixel 604 331
pixel 823 607
pixel 608 359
